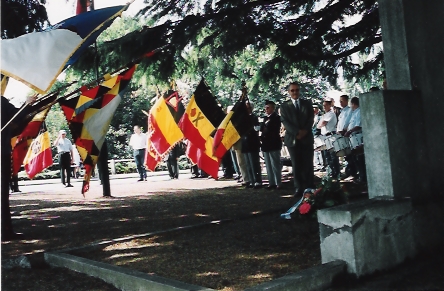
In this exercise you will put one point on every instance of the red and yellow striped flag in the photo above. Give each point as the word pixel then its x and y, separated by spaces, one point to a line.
pixel 39 155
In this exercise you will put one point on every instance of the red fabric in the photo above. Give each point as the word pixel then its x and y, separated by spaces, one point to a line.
pixel 203 161
pixel 191 132
pixel 304 208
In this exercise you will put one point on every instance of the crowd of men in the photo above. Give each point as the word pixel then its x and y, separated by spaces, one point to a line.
pixel 293 132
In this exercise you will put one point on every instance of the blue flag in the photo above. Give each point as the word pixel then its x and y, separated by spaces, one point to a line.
pixel 37 59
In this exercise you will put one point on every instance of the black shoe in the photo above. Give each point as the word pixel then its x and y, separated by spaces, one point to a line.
pixel 69 185
pixel 194 176
pixel 257 186
pixel 140 180
pixel 271 187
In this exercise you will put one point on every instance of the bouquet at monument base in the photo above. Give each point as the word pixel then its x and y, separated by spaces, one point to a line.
pixel 328 194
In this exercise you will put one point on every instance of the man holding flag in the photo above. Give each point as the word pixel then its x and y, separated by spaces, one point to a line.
pixel 66 156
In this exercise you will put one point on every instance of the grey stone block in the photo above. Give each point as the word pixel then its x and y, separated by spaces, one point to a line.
pixel 122 278
pixel 369 235
pixel 313 279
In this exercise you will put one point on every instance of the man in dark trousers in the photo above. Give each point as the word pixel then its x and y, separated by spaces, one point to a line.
pixel 173 167
pixel 297 118
pixel 271 145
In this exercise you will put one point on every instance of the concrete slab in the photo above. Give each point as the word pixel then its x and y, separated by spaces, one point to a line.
pixel 122 278
pixel 314 279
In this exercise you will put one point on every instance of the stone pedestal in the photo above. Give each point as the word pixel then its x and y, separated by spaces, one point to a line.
pixel 370 235
pixel 395 144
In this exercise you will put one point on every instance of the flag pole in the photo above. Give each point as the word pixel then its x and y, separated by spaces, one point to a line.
pixel 146 55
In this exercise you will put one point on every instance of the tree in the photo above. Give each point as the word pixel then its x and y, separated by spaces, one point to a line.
pixel 307 35
pixel 22 16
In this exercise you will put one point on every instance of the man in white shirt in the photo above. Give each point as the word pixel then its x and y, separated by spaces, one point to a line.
pixel 343 122
pixel 327 124
pixel 345 116
pixel 66 156
pixel 138 142
pixel 355 126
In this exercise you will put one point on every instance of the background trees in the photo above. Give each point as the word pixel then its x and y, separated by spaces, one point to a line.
pixel 267 43
pixel 22 16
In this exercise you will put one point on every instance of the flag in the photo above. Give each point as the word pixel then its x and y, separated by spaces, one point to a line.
pixel 82 6
pixel 20 143
pixel 39 155
pixel 203 158
pixel 163 119
pixel 5 80
pixel 36 59
pixel 234 125
pixel 202 115
pixel 89 116
pixel 152 158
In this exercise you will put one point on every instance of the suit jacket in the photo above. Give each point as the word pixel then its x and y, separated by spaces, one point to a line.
pixel 293 122
pixel 270 128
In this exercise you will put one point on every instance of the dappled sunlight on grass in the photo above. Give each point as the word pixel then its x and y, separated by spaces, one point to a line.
pixel 201 215
pixel 206 274
pixel 260 276
pixel 118 256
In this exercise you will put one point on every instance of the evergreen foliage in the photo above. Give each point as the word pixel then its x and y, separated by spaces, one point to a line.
pixel 22 16
pixel 307 35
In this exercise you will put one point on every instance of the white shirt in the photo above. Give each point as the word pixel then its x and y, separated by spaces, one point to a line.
pixel 76 157
pixel 344 118
pixel 331 119
pixel 138 141
pixel 296 101
pixel 64 145
pixel 355 119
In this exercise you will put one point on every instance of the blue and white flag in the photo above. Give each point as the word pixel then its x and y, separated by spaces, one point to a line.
pixel 37 59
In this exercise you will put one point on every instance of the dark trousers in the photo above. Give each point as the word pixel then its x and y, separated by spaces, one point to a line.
pixel 65 167
pixel 235 163
pixel 302 163
pixel 194 170
pixel 173 167
pixel 227 165
pixel 253 167
pixel 360 164
pixel 14 184
pixel 6 222
pixel 351 169
pixel 139 157
pixel 333 162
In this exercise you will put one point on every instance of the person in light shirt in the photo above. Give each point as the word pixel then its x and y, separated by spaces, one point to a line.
pixel 343 122
pixel 138 142
pixel 355 127
pixel 327 124
pixel 66 157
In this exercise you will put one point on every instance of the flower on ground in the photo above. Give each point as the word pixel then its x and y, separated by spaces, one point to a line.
pixel 304 208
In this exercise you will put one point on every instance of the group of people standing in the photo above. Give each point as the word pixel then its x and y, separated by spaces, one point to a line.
pixel 295 128
pixel 342 122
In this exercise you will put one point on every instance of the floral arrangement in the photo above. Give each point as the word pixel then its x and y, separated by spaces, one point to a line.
pixel 328 194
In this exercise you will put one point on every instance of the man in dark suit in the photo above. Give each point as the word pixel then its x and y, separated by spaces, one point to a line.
pixel 271 145
pixel 297 118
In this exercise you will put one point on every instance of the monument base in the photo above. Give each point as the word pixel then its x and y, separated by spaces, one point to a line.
pixel 370 235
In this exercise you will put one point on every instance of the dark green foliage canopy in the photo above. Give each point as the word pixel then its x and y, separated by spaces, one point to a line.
pixel 22 16
pixel 308 35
